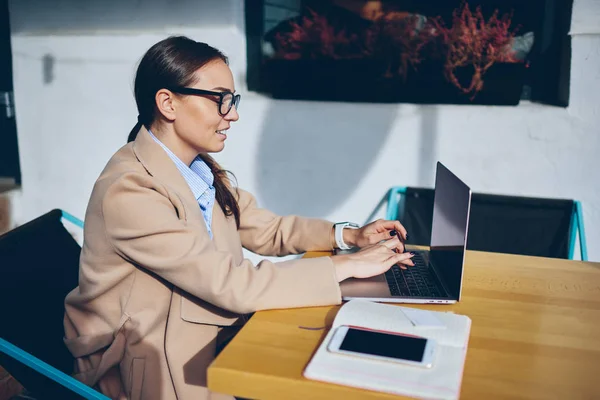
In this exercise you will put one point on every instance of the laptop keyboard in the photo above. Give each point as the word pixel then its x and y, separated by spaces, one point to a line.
pixel 415 281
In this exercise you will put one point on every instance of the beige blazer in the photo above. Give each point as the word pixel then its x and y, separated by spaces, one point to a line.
pixel 156 295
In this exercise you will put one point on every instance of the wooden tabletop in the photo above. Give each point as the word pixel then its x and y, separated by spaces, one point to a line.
pixel 535 335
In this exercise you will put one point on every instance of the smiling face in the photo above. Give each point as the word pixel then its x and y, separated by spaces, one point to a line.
pixel 192 124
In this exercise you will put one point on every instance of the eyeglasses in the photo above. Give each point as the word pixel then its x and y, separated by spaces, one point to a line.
pixel 226 99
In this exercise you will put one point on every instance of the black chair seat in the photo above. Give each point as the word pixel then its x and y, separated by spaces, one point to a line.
pixel 39 265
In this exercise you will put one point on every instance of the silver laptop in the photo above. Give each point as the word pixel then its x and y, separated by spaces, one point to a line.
pixel 438 273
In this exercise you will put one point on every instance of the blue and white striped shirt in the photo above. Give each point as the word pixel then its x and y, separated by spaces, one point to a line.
pixel 200 180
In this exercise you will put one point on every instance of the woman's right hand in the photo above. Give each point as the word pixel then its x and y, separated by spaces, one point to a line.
pixel 371 261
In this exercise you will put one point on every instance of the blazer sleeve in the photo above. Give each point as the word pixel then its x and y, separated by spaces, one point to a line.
pixel 268 234
pixel 142 225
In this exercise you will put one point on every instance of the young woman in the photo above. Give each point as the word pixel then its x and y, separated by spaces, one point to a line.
pixel 163 282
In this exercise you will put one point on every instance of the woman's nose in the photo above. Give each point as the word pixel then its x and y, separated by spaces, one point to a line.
pixel 232 115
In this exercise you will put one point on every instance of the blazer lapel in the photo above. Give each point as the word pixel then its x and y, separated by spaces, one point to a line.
pixel 158 164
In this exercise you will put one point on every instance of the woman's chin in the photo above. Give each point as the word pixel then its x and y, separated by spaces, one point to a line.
pixel 218 147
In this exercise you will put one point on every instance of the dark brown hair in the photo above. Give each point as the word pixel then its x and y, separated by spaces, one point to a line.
pixel 172 62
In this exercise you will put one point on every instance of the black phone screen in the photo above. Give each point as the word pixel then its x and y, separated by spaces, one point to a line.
pixel 384 344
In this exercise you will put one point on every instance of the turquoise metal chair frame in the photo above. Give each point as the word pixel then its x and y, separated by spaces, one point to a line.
pixel 576 227
pixel 49 371
pixel 46 369
pixel 72 219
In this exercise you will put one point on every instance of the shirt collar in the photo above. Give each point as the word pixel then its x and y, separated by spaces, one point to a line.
pixel 198 175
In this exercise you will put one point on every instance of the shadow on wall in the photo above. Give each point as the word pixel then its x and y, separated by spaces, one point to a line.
pixel 312 155
pixel 427 146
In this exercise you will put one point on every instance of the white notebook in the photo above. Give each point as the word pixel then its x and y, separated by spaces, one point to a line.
pixel 441 381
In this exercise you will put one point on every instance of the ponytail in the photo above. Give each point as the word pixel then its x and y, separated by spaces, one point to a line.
pixel 134 131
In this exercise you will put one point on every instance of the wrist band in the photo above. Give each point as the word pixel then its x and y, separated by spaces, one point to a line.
pixel 339 234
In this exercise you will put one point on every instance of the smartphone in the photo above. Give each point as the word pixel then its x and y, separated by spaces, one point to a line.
pixel 381 345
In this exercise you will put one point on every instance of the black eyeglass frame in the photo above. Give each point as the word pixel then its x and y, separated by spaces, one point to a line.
pixel 235 100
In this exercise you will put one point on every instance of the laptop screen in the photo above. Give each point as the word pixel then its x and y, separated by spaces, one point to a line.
pixel 449 227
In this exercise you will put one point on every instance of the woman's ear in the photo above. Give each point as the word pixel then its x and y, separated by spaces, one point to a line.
pixel 165 103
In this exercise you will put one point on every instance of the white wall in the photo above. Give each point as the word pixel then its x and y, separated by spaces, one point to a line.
pixel 74 68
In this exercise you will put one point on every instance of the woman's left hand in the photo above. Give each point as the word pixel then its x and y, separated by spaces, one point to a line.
pixel 375 232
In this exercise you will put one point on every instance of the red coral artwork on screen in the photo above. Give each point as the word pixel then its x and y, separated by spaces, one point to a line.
pixel 400 41
pixel 314 37
pixel 473 42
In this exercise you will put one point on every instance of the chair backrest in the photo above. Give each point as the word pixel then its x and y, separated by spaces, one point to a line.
pixel 39 265
pixel 503 224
